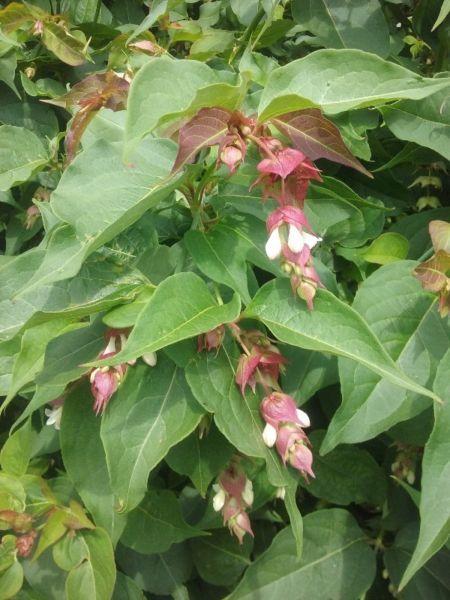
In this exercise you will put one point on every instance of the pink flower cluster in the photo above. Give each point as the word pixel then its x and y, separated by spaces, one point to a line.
pixel 284 430
pixel 233 496
pixel 105 380
pixel 285 174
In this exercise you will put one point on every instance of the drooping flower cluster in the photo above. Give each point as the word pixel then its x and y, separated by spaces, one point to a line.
pixel 105 380
pixel 233 496
pixel 262 362
pixel 285 176
pixel 284 429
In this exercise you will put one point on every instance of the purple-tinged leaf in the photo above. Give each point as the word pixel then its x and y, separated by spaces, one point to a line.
pixel 317 137
pixel 92 93
pixel 207 128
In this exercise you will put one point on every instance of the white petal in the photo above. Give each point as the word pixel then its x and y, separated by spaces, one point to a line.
pixel 269 435
pixel 303 418
pixel 280 493
pixel 273 246
pixel 295 239
pixel 54 416
pixel 247 494
pixel 111 347
pixel 310 239
pixel 219 500
pixel 150 359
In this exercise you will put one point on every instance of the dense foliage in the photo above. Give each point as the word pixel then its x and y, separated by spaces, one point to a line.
pixel 212 214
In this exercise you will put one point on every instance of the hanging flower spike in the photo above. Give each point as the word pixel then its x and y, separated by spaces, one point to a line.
pixel 233 495
pixel 211 340
pixel 267 360
pixel 284 428
pixel 292 445
pixel 106 380
pixel 287 226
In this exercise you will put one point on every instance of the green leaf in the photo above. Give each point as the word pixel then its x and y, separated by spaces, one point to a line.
pixel 21 153
pixel 156 524
pixel 31 286
pixel 331 327
pixel 345 475
pixel 333 544
pixel 340 214
pixel 159 574
pixel 17 450
pixel 126 589
pixel 218 258
pixel 387 248
pixel 432 581
pixel 323 79
pixel 337 24
pixel 11 581
pixel 30 359
pixel 434 507
pixel 443 13
pixel 219 558
pixel 85 461
pixel 8 65
pixel 100 195
pixel 308 373
pixel 180 308
pixel 65 46
pixel 405 318
pixel 425 122
pixel 152 411
pixel 201 458
pixel 165 89
pixel 95 577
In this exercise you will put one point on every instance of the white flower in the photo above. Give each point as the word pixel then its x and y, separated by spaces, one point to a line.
pixel 219 498
pixel 54 416
pixel 295 239
pixel 111 347
pixel 269 435
pixel 310 240
pixel 303 418
pixel 247 494
pixel 273 246
pixel 280 493
pixel 150 359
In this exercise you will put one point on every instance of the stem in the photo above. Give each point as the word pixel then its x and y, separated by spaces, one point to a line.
pixel 97 10
pixel 246 36
pixel 426 255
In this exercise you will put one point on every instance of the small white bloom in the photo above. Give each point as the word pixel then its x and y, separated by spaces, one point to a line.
pixel 411 477
pixel 295 239
pixel 247 494
pixel 54 416
pixel 273 246
pixel 111 347
pixel 150 359
pixel 93 374
pixel 280 493
pixel 303 418
pixel 219 500
pixel 269 435
pixel 310 239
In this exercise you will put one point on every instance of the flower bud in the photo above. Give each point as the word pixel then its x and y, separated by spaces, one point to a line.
pixel 150 358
